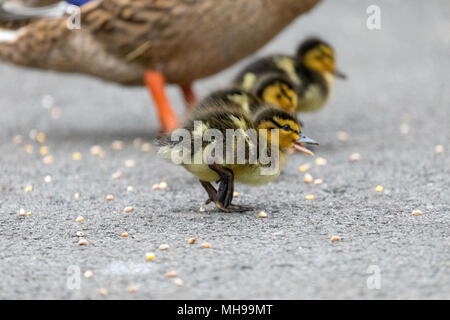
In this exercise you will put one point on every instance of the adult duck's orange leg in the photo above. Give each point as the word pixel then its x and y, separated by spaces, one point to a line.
pixel 156 84
pixel 189 95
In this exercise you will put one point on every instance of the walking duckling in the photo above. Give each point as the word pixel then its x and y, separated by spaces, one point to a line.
pixel 221 142
pixel 311 70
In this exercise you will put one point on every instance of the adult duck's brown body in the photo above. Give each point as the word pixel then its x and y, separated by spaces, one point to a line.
pixel 152 41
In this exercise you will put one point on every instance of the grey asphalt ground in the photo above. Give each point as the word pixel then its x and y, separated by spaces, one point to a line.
pixel 398 80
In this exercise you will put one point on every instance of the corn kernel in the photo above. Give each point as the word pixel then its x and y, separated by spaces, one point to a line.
pixel 28 148
pixel 146 147
pixel 191 240
pixel 164 247
pixel 178 282
pixel 76 196
pixel 310 197
pixel 117 145
pixel 130 163
pixel 354 157
pixel 41 137
pixel 29 188
pixel 335 238
pixel 379 188
pixel 262 214
pixel 133 289
pixel 307 178
pixel 82 242
pixel 321 161
pixel 416 213
pixel 48 159
pixel 103 291
pixel 22 212
pixel 18 139
pixel 171 274
pixel 88 274
pixel 76 156
pixel 79 219
pixel 124 235
pixel 163 185
pixel 29 213
pixel 150 256
pixel 304 167
pixel 128 209
pixel 342 136
pixel 236 194
pixel 206 245
pixel 43 150
pixel 109 197
pixel 116 175
pixel 318 181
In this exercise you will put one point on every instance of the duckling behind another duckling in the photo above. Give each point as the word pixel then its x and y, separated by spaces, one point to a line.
pixel 311 71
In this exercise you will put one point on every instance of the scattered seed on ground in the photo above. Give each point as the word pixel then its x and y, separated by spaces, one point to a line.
pixel 309 197
pixel 82 242
pixel 146 147
pixel 124 234
pixel 28 148
pixel 130 163
pixel 236 194
pixel 43 150
pixel 262 214
pixel 80 234
pixel 79 219
pixel 379 188
pixel 77 156
pixel 171 274
pixel 28 188
pixel 116 175
pixel 128 209
pixel 164 247
pixel 354 157
pixel 41 137
pixel 130 188
pixel 318 181
pixel 150 255
pixel 103 292
pixel 88 274
pixel 133 289
pixel 335 238
pixel 191 240
pixel 202 209
pixel 48 159
pixel 178 282
pixel 342 136
pixel 117 145
pixel 304 167
pixel 439 149
pixel 321 161
pixel 206 245
pixel 307 178
pixel 18 139
pixel 76 196
pixel 416 213
pixel 22 212
pixel 109 197
pixel 48 179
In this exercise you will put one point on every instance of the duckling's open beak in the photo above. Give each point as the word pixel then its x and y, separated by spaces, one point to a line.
pixel 298 145
pixel 339 74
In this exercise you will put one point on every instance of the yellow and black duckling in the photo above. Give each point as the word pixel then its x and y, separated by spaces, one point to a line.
pixel 311 70
pixel 221 142
pixel 272 88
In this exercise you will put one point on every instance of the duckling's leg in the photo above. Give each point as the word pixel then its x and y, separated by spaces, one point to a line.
pixel 212 192
pixel 156 84
pixel 224 195
pixel 189 95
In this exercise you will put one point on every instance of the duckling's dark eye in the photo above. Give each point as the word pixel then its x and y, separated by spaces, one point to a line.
pixel 286 127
